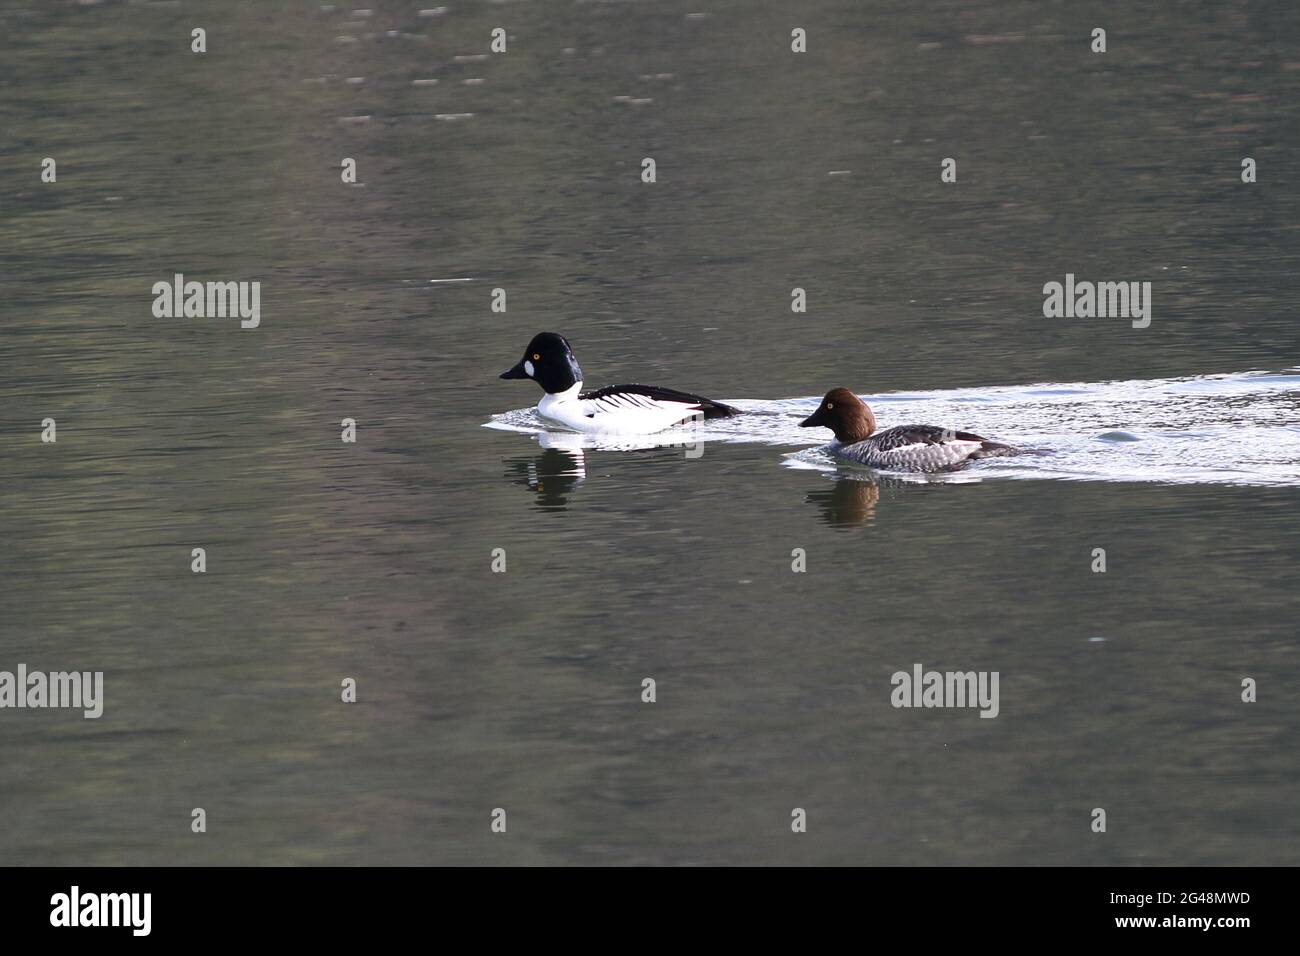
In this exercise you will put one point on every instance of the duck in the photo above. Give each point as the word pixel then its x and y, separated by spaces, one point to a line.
pixel 615 409
pixel 902 448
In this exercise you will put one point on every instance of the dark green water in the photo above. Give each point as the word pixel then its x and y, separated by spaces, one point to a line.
pixel 522 690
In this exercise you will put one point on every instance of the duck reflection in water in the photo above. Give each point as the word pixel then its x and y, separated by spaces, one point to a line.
pixel 553 475
pixel 562 465
pixel 850 502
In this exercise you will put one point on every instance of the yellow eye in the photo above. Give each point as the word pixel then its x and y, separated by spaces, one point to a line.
pixel 537 357
pixel 830 404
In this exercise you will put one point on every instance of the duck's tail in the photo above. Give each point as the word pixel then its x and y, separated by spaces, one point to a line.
pixel 714 409
pixel 988 449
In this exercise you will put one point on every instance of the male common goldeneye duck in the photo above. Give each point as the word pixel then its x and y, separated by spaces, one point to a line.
pixel 904 448
pixel 621 409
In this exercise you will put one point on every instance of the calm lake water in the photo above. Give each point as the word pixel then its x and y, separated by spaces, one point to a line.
pixel 1175 448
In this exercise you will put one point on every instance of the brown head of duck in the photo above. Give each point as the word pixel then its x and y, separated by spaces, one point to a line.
pixel 845 414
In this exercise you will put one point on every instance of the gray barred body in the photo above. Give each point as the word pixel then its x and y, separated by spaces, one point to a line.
pixel 918 448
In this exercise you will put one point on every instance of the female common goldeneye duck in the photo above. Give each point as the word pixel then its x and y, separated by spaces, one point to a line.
pixel 904 448
pixel 621 409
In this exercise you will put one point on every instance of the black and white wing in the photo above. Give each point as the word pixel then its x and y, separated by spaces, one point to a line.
pixel 648 408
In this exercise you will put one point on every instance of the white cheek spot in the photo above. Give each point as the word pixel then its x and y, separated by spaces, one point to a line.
pixel 528 369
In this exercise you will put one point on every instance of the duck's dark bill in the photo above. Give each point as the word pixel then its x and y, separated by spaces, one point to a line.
pixel 808 422
pixel 516 372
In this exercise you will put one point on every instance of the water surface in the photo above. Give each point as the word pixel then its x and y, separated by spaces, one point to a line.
pixel 522 690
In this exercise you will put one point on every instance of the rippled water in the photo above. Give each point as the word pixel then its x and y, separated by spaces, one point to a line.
pixel 1221 429
pixel 522 689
